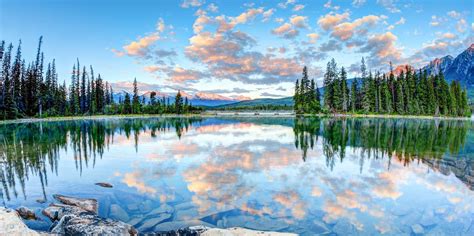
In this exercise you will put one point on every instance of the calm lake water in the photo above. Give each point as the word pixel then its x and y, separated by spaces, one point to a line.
pixel 307 176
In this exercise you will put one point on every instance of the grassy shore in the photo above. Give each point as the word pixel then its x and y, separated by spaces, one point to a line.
pixel 286 114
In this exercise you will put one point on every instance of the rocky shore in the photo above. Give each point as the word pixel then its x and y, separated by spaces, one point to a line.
pixel 79 216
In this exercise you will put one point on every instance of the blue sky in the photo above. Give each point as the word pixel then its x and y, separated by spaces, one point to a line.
pixel 248 48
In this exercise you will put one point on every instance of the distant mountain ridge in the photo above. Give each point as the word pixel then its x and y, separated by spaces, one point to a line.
pixel 460 68
pixel 198 99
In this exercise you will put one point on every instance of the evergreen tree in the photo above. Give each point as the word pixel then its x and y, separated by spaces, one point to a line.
pixel 178 103
pixel 127 108
pixel 345 90
pixel 136 101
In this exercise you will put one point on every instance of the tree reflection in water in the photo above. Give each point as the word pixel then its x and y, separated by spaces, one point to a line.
pixel 30 149
pixel 33 149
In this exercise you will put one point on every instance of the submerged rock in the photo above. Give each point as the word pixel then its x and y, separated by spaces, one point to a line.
pixel 104 185
pixel 165 208
pixel 26 213
pixel 91 224
pixel 151 222
pixel 118 213
pixel 267 224
pixel 174 225
pixel 240 232
pixel 417 229
pixel 87 204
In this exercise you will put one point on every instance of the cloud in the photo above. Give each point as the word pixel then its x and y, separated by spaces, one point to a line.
pixel 180 75
pixel 399 22
pixel 331 45
pixel 389 5
pixel 298 7
pixel 358 3
pixel 454 14
pixel 250 14
pixel 142 47
pixel 329 20
pixel 382 49
pixel 329 5
pixel 284 5
pixel 212 8
pixel 313 37
pixel 192 3
pixel 298 21
pixel 267 14
pixel 461 26
pixel 290 30
pixel 286 30
pixel 346 30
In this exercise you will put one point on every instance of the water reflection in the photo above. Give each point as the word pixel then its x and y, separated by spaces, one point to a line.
pixel 301 175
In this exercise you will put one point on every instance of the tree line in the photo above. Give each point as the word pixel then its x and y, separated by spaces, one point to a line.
pixel 31 90
pixel 409 93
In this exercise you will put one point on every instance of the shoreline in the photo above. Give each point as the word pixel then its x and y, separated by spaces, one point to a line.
pixel 253 114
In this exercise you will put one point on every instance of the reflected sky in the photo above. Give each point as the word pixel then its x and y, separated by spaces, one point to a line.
pixel 306 176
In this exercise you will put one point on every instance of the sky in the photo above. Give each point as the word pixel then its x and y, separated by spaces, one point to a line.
pixel 251 49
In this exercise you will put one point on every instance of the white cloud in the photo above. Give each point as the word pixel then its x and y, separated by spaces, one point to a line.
pixel 192 3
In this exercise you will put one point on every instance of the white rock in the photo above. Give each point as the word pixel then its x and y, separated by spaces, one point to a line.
pixel 11 224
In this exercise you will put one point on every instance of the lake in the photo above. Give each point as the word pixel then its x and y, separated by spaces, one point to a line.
pixel 307 176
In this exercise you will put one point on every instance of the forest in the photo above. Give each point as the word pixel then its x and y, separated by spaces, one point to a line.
pixel 33 90
pixel 409 93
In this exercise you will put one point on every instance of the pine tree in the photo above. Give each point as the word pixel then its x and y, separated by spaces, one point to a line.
pixel 328 88
pixel 136 101
pixel 354 96
pixel 127 108
pixel 5 79
pixel 296 97
pixel 178 103
pixel 344 90
pixel 16 76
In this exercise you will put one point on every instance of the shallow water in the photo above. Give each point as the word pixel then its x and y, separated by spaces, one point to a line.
pixel 307 176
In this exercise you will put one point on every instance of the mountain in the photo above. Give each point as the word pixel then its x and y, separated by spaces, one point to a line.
pixel 460 68
pixel 288 101
pixel 198 99
pixel 438 65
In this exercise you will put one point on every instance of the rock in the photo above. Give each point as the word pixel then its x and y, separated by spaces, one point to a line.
pixel 241 232
pixel 118 213
pixel 186 214
pixel 41 201
pixel 184 206
pixel 57 211
pixel 90 224
pixel 52 212
pixel 441 210
pixel 87 204
pixel 234 221
pixel 319 227
pixel 26 213
pixel 104 185
pixel 344 227
pixel 151 222
pixel 132 207
pixel 146 206
pixel 401 210
pixel 165 208
pixel 417 229
pixel 266 224
pixel 173 225
pixel 11 224
pixel 135 221
pixel 428 219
